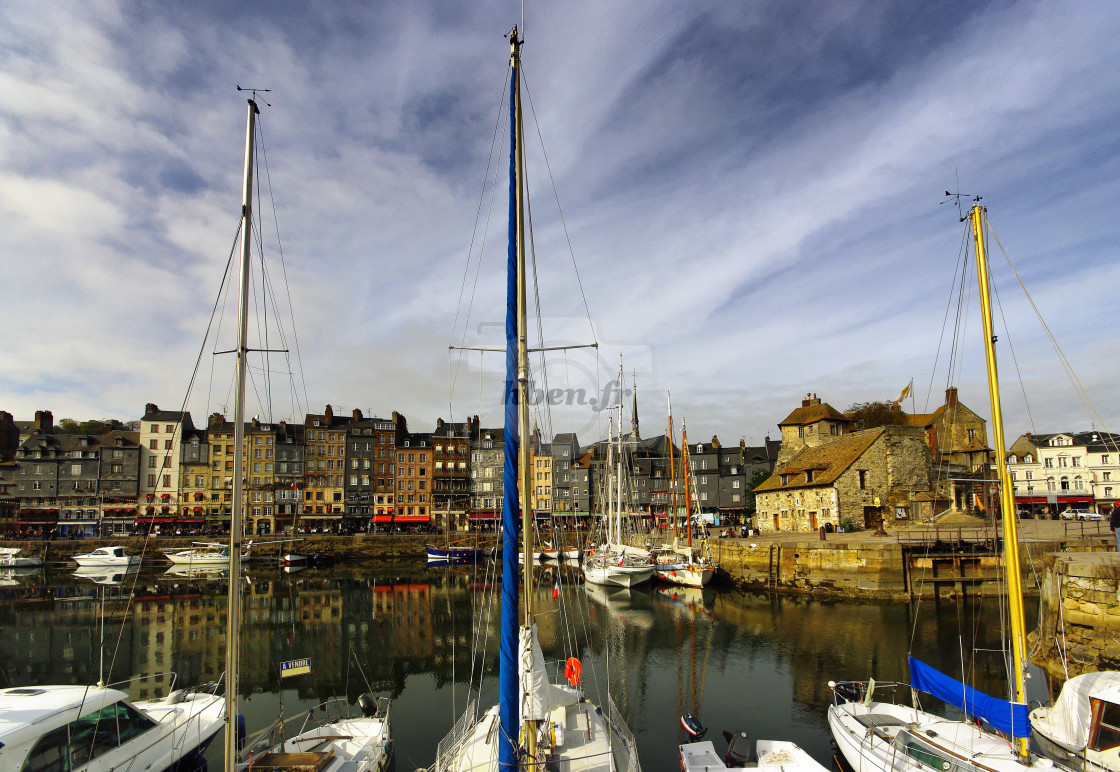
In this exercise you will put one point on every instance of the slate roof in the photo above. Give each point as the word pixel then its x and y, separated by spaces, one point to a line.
pixel 827 461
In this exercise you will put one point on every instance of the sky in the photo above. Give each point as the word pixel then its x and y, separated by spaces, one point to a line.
pixel 751 206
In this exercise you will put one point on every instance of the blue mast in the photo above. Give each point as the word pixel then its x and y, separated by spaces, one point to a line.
pixel 508 689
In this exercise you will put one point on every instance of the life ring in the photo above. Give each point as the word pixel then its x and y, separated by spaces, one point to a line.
pixel 573 671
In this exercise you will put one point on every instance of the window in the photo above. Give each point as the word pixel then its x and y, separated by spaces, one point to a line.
pixel 1106 476
pixel 1107 734
pixel 86 738
pixel 153 444
pixel 75 469
pixel 862 479
pixel 1048 463
pixel 1105 459
pixel 170 428
pixel 167 444
pixel 154 428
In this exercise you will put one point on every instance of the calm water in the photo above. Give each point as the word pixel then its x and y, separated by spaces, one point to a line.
pixel 755 662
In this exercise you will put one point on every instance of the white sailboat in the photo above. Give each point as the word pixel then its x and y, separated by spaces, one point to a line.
pixel 343 742
pixel 205 553
pixel 535 723
pixel 876 736
pixel 614 562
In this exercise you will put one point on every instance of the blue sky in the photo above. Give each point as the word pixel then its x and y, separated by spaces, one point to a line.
pixel 752 192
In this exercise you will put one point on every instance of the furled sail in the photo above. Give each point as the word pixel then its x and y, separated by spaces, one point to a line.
pixel 1008 717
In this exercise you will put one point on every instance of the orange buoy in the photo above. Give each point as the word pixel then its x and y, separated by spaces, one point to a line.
pixel 573 671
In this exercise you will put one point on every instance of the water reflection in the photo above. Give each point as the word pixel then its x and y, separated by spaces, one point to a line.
pixel 758 663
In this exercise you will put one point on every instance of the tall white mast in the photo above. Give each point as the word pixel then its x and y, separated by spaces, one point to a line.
pixel 233 603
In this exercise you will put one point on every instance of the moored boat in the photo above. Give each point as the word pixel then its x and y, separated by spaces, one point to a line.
pixel 107 556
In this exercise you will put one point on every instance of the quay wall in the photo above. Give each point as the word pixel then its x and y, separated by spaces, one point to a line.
pixel 867 568
pixel 1079 624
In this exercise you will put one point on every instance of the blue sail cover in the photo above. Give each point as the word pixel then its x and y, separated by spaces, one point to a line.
pixel 508 687
pixel 1008 717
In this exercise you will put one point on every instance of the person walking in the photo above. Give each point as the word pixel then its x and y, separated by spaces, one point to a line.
pixel 1114 522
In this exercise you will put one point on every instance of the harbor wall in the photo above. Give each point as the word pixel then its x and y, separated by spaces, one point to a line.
pixel 1079 624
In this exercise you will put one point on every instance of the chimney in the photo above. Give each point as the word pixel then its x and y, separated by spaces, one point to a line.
pixel 715 442
pixel 44 421
pixel 805 402
pixel 329 415
pixel 216 420
pixel 357 414
pixel 951 396
pixel 439 423
pixel 151 407
pixel 742 444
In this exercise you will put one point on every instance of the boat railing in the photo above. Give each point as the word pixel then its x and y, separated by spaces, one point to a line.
pixel 618 724
pixel 449 747
pixel 856 691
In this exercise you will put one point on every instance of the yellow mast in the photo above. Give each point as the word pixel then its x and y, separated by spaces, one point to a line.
pixel 1007 495
pixel 672 474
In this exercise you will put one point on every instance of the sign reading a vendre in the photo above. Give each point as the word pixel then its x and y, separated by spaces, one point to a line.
pixel 295 667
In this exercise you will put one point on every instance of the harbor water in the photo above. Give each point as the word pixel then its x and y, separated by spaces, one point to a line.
pixel 758 663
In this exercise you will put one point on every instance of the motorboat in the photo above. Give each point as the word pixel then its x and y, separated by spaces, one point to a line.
pixel 1082 729
pixel 342 743
pixel 96 728
pixel 10 558
pixel 772 755
pixel 107 556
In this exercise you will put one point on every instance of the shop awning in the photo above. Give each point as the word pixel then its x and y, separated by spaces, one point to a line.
pixel 192 520
pixel 382 518
pixel 150 520
pixel 485 516
pixel 411 519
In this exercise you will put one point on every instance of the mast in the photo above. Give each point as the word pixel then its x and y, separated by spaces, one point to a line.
pixel 618 463
pixel 686 465
pixel 1007 496
pixel 610 471
pixel 515 478
pixel 672 471
pixel 233 602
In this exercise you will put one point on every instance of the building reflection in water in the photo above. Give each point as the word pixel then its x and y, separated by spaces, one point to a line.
pixel 760 663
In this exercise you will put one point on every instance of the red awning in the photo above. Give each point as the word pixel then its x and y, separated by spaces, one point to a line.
pixel 411 519
pixel 198 509
pixel 382 518
pixel 190 520
pixel 165 496
pixel 148 520
pixel 485 516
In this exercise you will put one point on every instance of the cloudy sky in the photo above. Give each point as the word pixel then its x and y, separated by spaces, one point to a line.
pixel 752 193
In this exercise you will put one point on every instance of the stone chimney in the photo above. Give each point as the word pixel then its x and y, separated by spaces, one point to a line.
pixel 715 442
pixel 951 396
pixel 439 423
pixel 357 414
pixel 810 400
pixel 742 443
pixel 44 421
pixel 329 415
pixel 151 407
pixel 216 420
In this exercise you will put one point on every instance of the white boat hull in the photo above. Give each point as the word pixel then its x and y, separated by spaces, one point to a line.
pixel 776 755
pixel 97 561
pixel 617 576
pixel 686 575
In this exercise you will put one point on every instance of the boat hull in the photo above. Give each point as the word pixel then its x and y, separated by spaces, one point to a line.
pixel 686 575
pixel 617 576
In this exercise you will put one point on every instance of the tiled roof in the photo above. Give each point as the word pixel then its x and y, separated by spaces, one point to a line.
pixel 803 416
pixel 827 461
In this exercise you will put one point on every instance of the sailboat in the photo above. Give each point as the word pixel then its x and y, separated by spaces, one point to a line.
pixel 676 564
pixel 876 735
pixel 341 742
pixel 613 562
pixel 536 723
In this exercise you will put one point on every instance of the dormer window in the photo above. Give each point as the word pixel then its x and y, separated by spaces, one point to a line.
pixel 785 479
pixel 808 475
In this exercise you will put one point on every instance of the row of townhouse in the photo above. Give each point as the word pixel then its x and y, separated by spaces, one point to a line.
pixel 334 472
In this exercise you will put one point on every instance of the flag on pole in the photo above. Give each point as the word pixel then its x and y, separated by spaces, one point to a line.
pixel 905 392
pixel 556 589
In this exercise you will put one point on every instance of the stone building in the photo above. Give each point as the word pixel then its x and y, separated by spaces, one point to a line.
pixel 1056 471
pixel 160 434
pixel 415 470
pixel 324 468
pixel 487 462
pixel 862 479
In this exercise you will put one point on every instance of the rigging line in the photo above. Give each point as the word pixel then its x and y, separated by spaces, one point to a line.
pixel 1014 358
pixel 1082 394
pixel 556 196
pixel 182 409
pixel 498 139
pixel 259 234
pixel 283 265
pixel 945 320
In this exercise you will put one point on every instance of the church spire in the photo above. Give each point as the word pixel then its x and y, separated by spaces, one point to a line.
pixel 634 435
